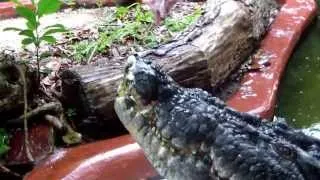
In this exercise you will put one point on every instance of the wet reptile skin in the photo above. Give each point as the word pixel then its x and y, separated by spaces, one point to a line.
pixel 189 134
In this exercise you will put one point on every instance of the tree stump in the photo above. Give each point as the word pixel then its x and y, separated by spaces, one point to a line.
pixel 203 56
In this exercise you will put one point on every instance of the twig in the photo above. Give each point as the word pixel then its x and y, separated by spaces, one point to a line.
pixel 25 99
pixel 54 121
pixel 52 106
pixel 63 51
pixel 6 170
pixel 68 40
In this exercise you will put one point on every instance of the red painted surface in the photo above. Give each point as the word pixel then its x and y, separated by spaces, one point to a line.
pixel 41 144
pixel 119 159
pixel 114 159
pixel 7 8
pixel 258 91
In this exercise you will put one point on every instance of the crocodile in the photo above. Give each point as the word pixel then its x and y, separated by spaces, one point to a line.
pixel 188 134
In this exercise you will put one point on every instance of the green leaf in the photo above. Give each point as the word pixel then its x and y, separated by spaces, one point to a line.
pixel 49 39
pixel 27 33
pixel 28 14
pixel 4 142
pixel 55 26
pixel 27 41
pixel 48 7
pixel 121 12
pixel 53 31
pixel 32 26
pixel 12 29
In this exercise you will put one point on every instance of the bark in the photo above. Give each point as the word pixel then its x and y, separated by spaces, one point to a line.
pixel 202 56
pixel 11 85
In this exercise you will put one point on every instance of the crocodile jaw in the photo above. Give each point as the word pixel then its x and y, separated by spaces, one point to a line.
pixel 125 113
pixel 135 115
pixel 129 104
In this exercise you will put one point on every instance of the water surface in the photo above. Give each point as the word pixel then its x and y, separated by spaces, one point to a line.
pixel 299 96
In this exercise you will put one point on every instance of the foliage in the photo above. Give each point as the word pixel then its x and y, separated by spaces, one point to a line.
pixel 176 26
pixel 136 28
pixel 131 24
pixel 4 142
pixel 133 27
pixel 82 50
pixel 138 25
pixel 32 33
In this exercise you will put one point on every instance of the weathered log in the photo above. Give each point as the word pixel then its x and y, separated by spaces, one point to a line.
pixel 11 84
pixel 203 56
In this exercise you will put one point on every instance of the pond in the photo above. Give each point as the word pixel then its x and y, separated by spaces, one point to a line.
pixel 299 99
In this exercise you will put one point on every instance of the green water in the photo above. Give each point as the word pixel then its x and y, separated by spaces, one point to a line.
pixel 299 96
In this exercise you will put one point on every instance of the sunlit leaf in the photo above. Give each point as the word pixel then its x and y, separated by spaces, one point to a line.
pixel 12 29
pixel 28 14
pixel 27 33
pixel 48 7
pixel 55 26
pixel 49 39
pixel 32 26
pixel 53 31
pixel 27 41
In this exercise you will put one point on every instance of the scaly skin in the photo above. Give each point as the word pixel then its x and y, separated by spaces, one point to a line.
pixel 188 134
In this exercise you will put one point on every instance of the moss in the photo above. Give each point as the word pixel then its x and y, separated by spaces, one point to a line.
pixel 123 88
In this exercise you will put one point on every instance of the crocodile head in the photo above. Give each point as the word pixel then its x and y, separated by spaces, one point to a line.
pixel 188 134
pixel 136 94
pixel 141 87
pixel 137 106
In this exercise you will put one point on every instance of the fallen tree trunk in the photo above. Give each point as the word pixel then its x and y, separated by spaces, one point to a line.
pixel 203 56
pixel 12 76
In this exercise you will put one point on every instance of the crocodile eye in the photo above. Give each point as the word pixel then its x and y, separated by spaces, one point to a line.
pixel 146 86
pixel 285 151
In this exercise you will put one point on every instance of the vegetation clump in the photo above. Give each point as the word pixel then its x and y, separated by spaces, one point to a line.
pixel 33 34
pixel 131 26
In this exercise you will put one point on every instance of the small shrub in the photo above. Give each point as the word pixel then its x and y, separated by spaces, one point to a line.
pixel 32 33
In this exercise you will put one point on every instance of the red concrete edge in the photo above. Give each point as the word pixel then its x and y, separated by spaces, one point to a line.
pixel 114 159
pixel 121 158
pixel 258 91
pixel 7 9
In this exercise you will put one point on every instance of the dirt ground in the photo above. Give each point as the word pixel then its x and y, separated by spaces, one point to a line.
pixel 73 19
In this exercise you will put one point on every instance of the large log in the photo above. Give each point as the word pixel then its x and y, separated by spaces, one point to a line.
pixel 202 56
pixel 12 85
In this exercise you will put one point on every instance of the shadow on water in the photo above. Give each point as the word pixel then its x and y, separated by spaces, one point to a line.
pixel 299 96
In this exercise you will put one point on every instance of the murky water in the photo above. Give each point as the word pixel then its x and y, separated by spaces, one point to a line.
pixel 299 96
